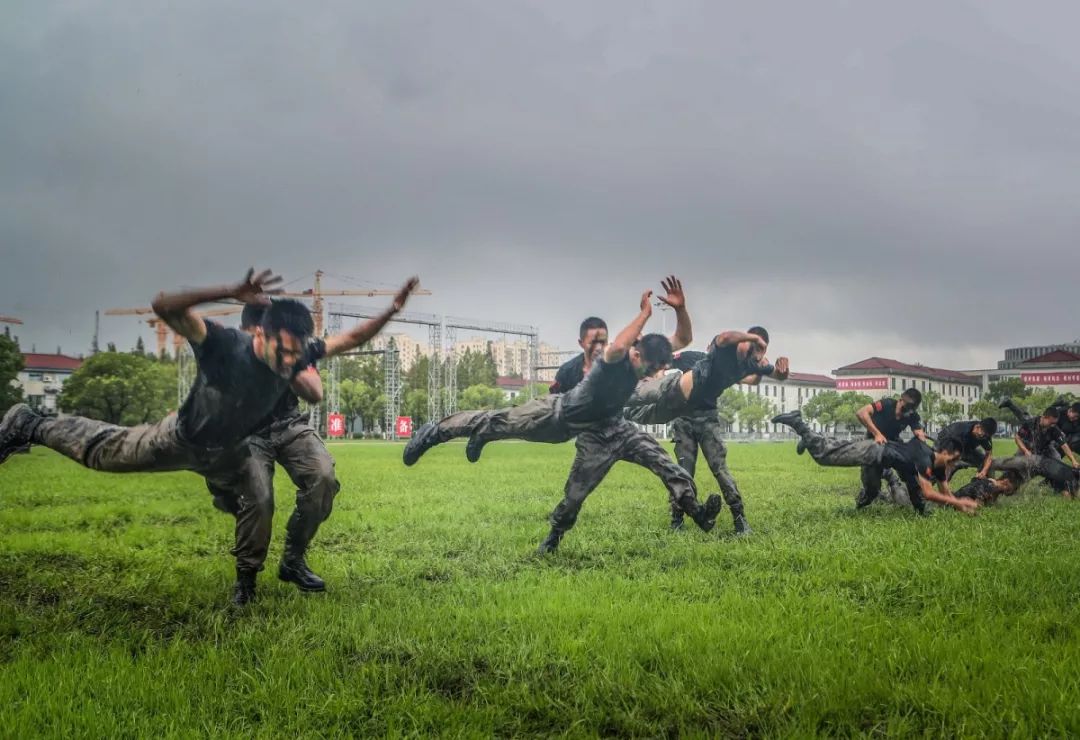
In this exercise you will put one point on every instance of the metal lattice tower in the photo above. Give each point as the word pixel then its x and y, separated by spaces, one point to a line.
pixel 450 372
pixel 333 402
pixel 186 367
pixel 534 362
pixel 434 324
pixel 392 384
pixel 434 376
pixel 453 323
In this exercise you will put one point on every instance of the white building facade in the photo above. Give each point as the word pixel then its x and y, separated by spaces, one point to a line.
pixel 43 377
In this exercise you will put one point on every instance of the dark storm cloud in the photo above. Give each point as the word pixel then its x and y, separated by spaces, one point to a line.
pixel 864 179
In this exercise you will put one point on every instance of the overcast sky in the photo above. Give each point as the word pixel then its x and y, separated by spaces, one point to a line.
pixel 863 178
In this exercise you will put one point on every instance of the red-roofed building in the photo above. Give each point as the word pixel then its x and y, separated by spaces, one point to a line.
pixel 43 376
pixel 1057 368
pixel 880 377
pixel 788 395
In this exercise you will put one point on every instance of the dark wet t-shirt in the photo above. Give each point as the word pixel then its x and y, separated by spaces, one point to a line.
pixel 962 432
pixel 715 371
pixel 910 459
pixel 602 394
pixel 1041 440
pixel 569 374
pixel 884 418
pixel 233 393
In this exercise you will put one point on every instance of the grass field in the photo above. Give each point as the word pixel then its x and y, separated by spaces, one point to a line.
pixel 441 621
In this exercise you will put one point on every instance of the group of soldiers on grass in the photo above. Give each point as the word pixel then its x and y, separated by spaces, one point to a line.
pixel 243 415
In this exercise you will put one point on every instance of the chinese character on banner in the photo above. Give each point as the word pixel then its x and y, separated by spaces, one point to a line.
pixel 404 426
pixel 335 425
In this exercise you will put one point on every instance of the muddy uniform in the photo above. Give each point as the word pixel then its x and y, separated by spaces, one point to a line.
pixel 699 427
pixel 288 438
pixel 884 418
pixel 233 393
pixel 908 460
pixel 973 451
pixel 660 400
pixel 591 410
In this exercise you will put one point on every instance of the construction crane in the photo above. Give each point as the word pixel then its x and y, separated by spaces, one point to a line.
pixel 161 329
pixel 317 294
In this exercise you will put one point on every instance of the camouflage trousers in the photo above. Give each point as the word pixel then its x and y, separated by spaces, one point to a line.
pixel 657 401
pixel 538 420
pixel 702 431
pixel 249 494
pixel 599 448
pixel 147 448
pixel 857 453
pixel 1060 476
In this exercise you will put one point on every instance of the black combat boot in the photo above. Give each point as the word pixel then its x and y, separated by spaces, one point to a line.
pixel 473 448
pixel 792 419
pixel 294 569
pixel 1011 405
pixel 865 498
pixel 705 516
pixel 677 524
pixel 742 527
pixel 551 542
pixel 244 588
pixel 423 439
pixel 17 429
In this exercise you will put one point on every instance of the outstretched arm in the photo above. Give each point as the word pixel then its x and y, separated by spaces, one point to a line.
pixel 684 332
pixel 364 332
pixel 962 504
pixel 624 340
pixel 864 417
pixel 727 338
pixel 175 308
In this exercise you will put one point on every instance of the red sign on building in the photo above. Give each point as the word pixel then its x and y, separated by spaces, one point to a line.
pixel 1050 378
pixel 862 384
pixel 403 427
pixel 335 425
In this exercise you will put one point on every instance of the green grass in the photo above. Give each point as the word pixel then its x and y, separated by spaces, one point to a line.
pixel 440 621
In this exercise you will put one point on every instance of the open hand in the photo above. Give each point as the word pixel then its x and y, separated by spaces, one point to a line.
pixel 675 297
pixel 646 302
pixel 257 289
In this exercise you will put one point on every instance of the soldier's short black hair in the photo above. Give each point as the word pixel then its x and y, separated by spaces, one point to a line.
pixel 655 351
pixel 593 322
pixel 288 315
pixel 251 316
pixel 948 445
pixel 759 331
pixel 989 425
pixel 912 395
pixel 1052 413
pixel 1075 407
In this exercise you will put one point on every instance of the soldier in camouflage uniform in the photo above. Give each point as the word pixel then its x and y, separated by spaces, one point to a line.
pixel 590 410
pixel 913 461
pixel 688 398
